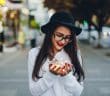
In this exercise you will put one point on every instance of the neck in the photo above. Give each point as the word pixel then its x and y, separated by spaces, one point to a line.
pixel 55 51
pixel 52 53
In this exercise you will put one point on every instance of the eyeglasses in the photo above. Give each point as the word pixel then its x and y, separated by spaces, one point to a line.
pixel 59 36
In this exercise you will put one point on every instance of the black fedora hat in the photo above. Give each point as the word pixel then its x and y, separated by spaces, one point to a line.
pixel 61 18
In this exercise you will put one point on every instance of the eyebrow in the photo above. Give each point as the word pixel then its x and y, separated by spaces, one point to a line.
pixel 63 34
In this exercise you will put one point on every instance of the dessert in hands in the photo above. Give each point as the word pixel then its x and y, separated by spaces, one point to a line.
pixel 60 69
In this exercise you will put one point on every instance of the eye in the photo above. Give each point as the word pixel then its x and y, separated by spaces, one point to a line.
pixel 59 34
pixel 69 37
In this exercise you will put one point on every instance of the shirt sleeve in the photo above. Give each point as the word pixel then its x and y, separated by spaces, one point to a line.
pixel 71 85
pixel 41 85
pixel 81 63
pixel 79 57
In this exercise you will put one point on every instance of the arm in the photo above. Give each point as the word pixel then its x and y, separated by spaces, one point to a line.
pixel 70 82
pixel 71 85
pixel 41 85
pixel 79 57
pixel 81 62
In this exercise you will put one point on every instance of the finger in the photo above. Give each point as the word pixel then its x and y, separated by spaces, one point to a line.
pixel 56 68
pixel 69 66
pixel 52 67
pixel 53 72
pixel 63 67
pixel 59 71
pixel 63 72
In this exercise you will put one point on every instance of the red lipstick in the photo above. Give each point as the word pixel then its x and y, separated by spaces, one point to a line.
pixel 60 44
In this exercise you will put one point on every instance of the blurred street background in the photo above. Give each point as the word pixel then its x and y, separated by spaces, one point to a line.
pixel 20 22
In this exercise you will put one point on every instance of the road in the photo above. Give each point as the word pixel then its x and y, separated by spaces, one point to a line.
pixel 97 71
pixel 13 74
pixel 14 79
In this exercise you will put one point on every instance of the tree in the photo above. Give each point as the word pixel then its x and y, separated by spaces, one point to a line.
pixel 84 10
pixel 59 4
pixel 99 8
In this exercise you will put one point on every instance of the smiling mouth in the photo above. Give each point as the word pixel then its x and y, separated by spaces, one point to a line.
pixel 60 44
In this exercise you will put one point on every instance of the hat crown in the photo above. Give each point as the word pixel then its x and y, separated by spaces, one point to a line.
pixel 61 18
pixel 64 17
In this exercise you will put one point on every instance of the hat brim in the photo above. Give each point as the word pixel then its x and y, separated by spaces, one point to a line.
pixel 47 27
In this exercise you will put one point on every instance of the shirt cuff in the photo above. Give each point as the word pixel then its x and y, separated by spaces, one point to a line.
pixel 50 75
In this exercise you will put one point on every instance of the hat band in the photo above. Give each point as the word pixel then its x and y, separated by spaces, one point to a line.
pixel 61 22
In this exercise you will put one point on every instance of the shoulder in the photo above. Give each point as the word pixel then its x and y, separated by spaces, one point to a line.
pixel 78 52
pixel 34 51
pixel 79 56
pixel 32 54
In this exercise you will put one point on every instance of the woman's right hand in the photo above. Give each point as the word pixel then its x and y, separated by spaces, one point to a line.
pixel 55 69
pixel 65 69
pixel 60 70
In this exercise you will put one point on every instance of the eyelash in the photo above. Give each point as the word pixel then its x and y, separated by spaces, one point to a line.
pixel 59 35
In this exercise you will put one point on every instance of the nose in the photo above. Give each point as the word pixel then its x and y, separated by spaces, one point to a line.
pixel 63 41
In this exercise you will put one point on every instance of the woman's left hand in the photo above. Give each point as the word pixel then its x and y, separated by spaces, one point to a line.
pixel 53 68
pixel 66 68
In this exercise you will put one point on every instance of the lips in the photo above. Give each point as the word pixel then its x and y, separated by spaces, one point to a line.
pixel 60 44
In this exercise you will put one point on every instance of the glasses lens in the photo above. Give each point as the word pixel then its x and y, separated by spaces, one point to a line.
pixel 68 39
pixel 60 37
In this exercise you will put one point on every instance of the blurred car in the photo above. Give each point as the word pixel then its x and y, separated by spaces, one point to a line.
pixel 106 32
pixel 84 34
pixel 105 40
pixel 105 37
pixel 15 1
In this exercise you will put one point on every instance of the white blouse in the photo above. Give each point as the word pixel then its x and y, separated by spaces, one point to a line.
pixel 50 84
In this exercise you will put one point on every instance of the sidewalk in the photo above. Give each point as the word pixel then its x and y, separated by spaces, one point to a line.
pixel 102 52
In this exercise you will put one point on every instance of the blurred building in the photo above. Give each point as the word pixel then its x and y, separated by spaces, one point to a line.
pixel 38 11
pixel 11 16
pixel 14 4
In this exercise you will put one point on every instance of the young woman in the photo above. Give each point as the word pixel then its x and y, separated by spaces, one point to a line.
pixel 55 68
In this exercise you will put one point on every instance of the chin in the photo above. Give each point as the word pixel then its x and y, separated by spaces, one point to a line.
pixel 59 48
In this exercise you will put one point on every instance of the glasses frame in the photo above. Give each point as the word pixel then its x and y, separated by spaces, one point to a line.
pixel 63 37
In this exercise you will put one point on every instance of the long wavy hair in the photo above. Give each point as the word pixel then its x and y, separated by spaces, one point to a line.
pixel 44 53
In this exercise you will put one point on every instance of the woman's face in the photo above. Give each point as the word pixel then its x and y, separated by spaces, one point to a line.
pixel 61 37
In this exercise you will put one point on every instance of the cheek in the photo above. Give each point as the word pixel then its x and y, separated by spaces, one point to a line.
pixel 55 45
pixel 53 42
